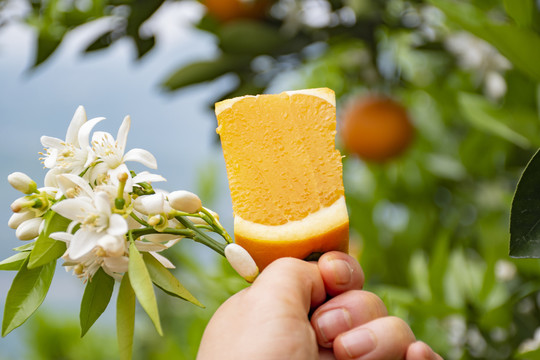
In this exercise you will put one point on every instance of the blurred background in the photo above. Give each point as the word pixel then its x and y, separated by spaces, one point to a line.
pixel 438 114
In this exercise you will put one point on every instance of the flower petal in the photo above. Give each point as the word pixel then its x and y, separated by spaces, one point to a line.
pixel 117 225
pixel 67 181
pixel 73 209
pixel 79 118
pixel 141 156
pixel 159 238
pixel 147 246
pixel 61 236
pixel 150 204
pixel 121 137
pixel 51 142
pixel 163 260
pixel 103 203
pixel 83 241
pixel 50 159
pixel 145 176
pixel 117 264
pixel 84 132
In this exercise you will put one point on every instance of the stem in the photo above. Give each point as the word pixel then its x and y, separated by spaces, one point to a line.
pixel 217 226
pixel 139 220
pixel 201 237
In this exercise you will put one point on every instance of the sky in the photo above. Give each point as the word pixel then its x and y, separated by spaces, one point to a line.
pixel 177 128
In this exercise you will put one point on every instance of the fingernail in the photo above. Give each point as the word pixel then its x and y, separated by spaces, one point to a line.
pixel 342 271
pixel 358 342
pixel 332 323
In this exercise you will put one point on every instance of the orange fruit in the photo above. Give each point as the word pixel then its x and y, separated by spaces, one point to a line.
pixel 285 174
pixel 376 128
pixel 227 10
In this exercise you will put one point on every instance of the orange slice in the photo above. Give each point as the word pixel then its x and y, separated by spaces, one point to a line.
pixel 285 174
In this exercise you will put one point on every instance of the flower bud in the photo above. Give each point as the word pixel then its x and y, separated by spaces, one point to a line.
pixel 150 204
pixel 113 245
pixel 241 261
pixel 29 229
pixel 22 182
pixel 185 201
pixel 18 218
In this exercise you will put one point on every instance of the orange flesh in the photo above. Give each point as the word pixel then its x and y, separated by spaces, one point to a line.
pixel 281 168
pixel 285 174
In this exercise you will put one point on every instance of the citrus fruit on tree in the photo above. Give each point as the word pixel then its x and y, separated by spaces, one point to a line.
pixel 285 174
pixel 376 128
pixel 227 10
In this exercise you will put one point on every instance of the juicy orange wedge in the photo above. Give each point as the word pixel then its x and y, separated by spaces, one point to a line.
pixel 285 174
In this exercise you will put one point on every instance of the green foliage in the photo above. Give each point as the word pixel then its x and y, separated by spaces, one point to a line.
pixel 46 249
pixel 524 230
pixel 26 294
pixel 125 318
pixel 96 297
pixel 142 285
pixel 166 281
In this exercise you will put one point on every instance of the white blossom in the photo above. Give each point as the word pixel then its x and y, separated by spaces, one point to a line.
pixel 96 220
pixel 111 156
pixel 72 155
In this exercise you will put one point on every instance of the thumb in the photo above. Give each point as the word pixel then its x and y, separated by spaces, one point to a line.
pixel 292 283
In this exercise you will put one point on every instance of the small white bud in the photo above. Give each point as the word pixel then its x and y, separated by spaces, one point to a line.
pixel 18 218
pixel 185 201
pixel 29 229
pixel 241 261
pixel 19 204
pixel 22 182
pixel 113 245
pixel 150 204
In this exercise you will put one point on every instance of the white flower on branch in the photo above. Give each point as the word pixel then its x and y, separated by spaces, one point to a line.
pixel 110 156
pixel 96 221
pixel 72 155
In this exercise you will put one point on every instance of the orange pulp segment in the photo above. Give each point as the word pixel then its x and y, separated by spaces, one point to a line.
pixel 285 174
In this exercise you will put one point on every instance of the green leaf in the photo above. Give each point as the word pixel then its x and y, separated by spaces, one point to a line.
pixel 479 112
pixel 47 249
pixel 125 318
pixel 521 11
pixel 250 38
pixel 97 295
pixel 25 247
pixel 166 281
pixel 142 285
pixel 201 71
pixel 519 45
pixel 525 213
pixel 14 262
pixel 27 292
pixel 47 43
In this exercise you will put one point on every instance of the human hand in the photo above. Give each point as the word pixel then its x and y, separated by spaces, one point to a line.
pixel 270 319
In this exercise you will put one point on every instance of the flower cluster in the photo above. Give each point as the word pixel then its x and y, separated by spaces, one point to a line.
pixel 89 183
pixel 105 221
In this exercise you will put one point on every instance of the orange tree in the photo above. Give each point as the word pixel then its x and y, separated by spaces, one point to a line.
pixel 430 227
